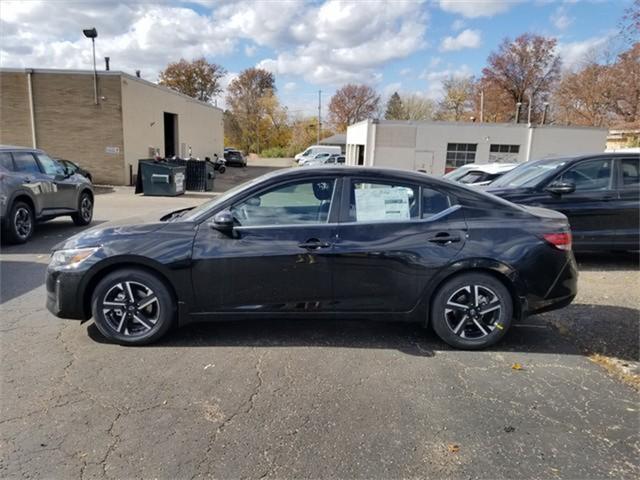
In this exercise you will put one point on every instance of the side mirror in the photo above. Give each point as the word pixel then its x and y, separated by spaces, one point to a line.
pixel 561 188
pixel 222 221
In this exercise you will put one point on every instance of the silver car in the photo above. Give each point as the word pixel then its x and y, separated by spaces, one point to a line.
pixel 34 187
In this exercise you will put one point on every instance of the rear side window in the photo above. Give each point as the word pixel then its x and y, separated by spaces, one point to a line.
pixel 383 202
pixel 5 161
pixel 25 162
pixel 589 175
pixel 433 202
pixel 630 175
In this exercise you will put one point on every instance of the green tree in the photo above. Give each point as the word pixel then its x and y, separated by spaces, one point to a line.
pixel 395 108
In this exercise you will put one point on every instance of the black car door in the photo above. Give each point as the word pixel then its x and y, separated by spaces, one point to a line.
pixel 628 224
pixel 278 256
pixel 392 237
pixel 592 207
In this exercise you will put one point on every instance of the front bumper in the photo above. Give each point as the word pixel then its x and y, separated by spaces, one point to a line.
pixel 64 298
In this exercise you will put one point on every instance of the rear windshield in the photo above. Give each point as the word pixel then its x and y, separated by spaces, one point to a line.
pixel 529 174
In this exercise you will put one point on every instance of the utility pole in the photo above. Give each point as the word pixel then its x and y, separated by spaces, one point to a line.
pixel 518 105
pixel 481 106
pixel 544 113
pixel 319 114
pixel 529 110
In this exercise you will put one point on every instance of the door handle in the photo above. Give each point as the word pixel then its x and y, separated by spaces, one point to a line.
pixel 444 238
pixel 313 244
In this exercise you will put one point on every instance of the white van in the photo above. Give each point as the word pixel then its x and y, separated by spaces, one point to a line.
pixel 314 150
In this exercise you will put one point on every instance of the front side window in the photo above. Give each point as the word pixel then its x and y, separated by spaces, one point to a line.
pixel 50 166
pixel 590 175
pixel 630 174
pixel 304 202
pixel 383 202
pixel 25 162
pixel 459 154
pixel 5 161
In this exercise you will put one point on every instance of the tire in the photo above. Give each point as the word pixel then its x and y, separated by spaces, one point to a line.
pixel 123 321
pixel 458 321
pixel 20 223
pixel 222 169
pixel 84 215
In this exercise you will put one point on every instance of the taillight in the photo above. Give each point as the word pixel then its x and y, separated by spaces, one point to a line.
pixel 562 241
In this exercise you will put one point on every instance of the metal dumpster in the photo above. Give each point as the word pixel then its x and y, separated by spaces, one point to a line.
pixel 200 175
pixel 160 178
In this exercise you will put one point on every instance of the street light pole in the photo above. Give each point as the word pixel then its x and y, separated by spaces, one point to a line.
pixel 544 112
pixel 518 105
pixel 319 115
pixel 92 33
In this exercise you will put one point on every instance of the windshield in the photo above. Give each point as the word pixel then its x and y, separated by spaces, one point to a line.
pixel 529 174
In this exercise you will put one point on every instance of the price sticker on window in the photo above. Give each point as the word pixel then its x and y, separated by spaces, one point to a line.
pixel 386 203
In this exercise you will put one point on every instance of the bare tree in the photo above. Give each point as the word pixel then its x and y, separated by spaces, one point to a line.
pixel 352 103
pixel 457 101
pixel 526 68
pixel 418 108
pixel 198 78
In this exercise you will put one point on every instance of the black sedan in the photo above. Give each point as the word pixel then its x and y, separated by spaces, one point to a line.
pixel 322 242
pixel 600 194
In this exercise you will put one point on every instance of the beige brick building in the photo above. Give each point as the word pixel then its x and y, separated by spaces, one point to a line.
pixel 56 110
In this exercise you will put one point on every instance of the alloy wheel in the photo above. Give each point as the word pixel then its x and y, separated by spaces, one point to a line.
pixel 473 311
pixel 86 207
pixel 22 222
pixel 130 308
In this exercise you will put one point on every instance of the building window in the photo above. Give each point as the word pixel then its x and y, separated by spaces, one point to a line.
pixel 504 153
pixel 459 154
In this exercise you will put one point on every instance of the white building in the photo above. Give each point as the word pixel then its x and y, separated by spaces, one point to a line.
pixel 436 147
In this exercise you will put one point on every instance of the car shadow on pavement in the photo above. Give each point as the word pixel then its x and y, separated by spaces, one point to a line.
pixel 47 235
pixel 560 333
pixel 18 278
pixel 608 261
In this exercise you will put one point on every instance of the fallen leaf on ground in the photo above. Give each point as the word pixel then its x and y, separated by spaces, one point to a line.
pixel 517 366
pixel 453 448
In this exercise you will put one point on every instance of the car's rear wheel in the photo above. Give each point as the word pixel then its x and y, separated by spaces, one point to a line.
pixel 84 215
pixel 20 223
pixel 472 311
pixel 133 307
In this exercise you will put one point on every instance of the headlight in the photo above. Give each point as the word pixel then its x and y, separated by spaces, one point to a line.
pixel 71 258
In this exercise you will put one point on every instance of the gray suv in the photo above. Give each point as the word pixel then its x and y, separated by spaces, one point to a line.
pixel 34 187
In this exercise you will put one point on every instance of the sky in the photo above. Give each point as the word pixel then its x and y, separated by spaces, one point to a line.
pixel 394 45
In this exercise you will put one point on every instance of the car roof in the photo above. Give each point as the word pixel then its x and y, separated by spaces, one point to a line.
pixel 15 148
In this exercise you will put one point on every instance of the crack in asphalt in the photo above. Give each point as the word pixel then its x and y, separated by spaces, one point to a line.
pixel 250 403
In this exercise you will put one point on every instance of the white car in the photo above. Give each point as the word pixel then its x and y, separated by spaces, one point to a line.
pixel 478 174
pixel 325 159
pixel 314 150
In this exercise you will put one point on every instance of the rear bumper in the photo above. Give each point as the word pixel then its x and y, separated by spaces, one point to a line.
pixel 561 292
pixel 63 295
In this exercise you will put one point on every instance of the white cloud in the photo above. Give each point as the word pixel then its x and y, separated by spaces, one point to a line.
pixel 434 78
pixel 388 90
pixel 465 39
pixel 290 86
pixel 574 53
pixel 344 41
pixel 325 43
pixel 476 8
pixel 560 18
pixel 458 25
pixel 405 71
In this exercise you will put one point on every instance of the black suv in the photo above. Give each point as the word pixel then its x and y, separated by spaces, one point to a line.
pixel 34 187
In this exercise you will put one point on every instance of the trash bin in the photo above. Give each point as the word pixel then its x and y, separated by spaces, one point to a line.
pixel 200 175
pixel 158 178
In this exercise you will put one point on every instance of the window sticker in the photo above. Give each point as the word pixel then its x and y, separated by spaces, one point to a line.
pixel 386 203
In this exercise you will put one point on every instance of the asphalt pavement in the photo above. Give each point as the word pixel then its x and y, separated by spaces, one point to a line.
pixel 316 399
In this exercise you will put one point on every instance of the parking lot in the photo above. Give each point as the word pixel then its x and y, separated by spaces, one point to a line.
pixel 558 398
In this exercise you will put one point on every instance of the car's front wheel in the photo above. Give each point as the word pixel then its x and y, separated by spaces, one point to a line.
pixel 133 307
pixel 472 311
pixel 84 215
pixel 20 223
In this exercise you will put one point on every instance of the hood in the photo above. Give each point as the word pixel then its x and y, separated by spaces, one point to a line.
pixel 127 227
